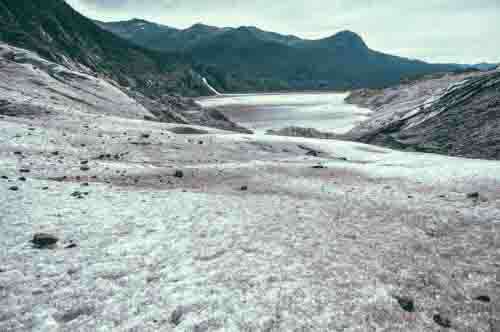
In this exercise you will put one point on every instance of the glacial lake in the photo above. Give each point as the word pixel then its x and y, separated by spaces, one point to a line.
pixel 259 112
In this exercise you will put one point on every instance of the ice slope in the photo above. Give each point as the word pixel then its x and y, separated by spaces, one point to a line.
pixel 301 248
pixel 25 78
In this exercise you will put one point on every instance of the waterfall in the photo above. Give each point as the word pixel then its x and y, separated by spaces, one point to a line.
pixel 211 88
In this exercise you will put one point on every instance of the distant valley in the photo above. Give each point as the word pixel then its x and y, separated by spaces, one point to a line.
pixel 134 199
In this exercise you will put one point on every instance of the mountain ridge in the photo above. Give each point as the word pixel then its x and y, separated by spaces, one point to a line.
pixel 251 59
pixel 289 39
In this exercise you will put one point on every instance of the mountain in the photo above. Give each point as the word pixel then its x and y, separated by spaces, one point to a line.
pixel 137 29
pixel 247 58
pixel 59 60
pixel 483 66
pixel 60 34
pixel 454 114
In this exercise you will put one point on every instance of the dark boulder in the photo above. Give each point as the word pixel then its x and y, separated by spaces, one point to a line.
pixel 44 240
pixel 406 303
pixel 483 298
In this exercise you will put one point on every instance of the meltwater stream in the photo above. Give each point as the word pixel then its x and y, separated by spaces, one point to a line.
pixel 260 112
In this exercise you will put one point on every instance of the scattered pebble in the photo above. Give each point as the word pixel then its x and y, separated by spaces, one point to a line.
pixel 176 316
pixel 244 188
pixel 22 178
pixel 5 177
pixel 319 167
pixel 79 194
pixel 85 168
pixel 24 170
pixel 442 321
pixel 179 174
pixel 71 246
pixel 312 153
pixel 202 327
pixel 474 195
pixel 14 188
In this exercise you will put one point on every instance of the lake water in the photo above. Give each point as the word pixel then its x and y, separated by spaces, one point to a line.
pixel 323 111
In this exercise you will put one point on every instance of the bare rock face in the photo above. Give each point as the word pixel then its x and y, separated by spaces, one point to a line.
pixel 462 119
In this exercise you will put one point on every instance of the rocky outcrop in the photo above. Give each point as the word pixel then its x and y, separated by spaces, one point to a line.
pixel 455 115
pixel 301 132
pixel 177 109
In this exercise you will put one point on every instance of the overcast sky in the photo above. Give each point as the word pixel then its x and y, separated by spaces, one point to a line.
pixel 466 31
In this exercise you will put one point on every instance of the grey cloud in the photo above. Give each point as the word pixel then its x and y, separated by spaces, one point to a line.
pixel 435 30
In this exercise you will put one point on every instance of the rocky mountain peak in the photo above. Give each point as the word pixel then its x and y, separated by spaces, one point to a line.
pixel 349 39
